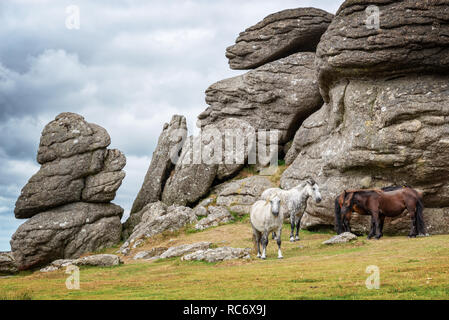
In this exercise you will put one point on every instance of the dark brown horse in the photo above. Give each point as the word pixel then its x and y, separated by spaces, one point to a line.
pixel 380 203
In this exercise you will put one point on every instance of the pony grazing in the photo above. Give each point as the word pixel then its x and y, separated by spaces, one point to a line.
pixel 294 202
pixel 387 202
pixel 266 217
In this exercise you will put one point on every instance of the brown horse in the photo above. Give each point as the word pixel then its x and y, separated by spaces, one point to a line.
pixel 386 202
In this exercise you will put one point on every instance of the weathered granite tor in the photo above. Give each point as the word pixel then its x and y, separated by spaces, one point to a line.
pixel 68 199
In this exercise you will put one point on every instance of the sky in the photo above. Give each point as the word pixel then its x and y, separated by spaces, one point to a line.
pixel 129 67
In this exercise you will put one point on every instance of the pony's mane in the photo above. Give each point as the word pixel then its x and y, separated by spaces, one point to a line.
pixel 309 181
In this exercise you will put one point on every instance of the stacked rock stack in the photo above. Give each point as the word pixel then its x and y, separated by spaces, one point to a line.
pixel 67 202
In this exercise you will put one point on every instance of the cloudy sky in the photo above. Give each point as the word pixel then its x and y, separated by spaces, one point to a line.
pixel 129 68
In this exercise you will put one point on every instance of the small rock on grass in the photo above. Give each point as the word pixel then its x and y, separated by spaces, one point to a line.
pixel 341 238
pixel 99 260
pixel 219 254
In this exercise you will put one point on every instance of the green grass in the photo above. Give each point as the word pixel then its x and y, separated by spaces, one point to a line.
pixel 409 269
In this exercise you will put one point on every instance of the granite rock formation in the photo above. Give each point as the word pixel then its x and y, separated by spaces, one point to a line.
pixel 68 200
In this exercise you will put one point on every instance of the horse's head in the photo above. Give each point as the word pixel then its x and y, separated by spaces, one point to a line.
pixel 313 190
pixel 275 205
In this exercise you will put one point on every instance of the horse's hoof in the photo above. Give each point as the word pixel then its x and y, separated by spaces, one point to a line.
pixel 263 258
pixel 421 235
pixel 292 239
pixel 281 257
pixel 297 239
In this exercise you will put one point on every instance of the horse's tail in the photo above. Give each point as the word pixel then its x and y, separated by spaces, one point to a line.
pixel 338 222
pixel 420 218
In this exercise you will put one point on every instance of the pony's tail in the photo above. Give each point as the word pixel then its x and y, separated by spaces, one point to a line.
pixel 338 223
pixel 420 218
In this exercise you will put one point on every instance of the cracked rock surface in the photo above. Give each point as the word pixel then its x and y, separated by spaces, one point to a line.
pixel 68 200
pixel 277 36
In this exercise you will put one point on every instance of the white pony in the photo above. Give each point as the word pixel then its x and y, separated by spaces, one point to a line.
pixel 266 218
pixel 294 202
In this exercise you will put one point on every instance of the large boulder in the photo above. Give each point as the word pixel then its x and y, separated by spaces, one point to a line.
pixel 276 96
pixel 277 36
pixel 102 187
pixel 157 218
pixel 162 162
pixel 68 199
pixel 239 195
pixel 375 133
pixel 412 38
pixel 68 135
pixel 205 159
pixel 75 166
pixel 66 232
pixel 57 183
pixel 7 263
pixel 217 216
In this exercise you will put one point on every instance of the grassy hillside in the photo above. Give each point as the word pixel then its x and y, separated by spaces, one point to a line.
pixel 409 269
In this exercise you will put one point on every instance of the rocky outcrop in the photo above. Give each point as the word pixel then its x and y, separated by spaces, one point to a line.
pixel 102 187
pixel 276 96
pixel 384 123
pixel 157 218
pixel 68 135
pixel 7 263
pixel 277 36
pixel 154 253
pixel 184 249
pixel 169 144
pixel 376 133
pixel 341 238
pixel 239 195
pixel 204 159
pixel 57 183
pixel 76 166
pixel 99 260
pixel 219 254
pixel 412 38
pixel 66 232
pixel 217 216
pixel 68 199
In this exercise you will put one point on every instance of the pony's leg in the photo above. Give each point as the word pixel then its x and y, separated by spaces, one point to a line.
pixel 376 218
pixel 292 223
pixel 343 223
pixel 346 222
pixel 414 228
pixel 372 229
pixel 298 226
pixel 273 236
pixel 382 220
pixel 257 238
pixel 264 245
pixel 279 242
